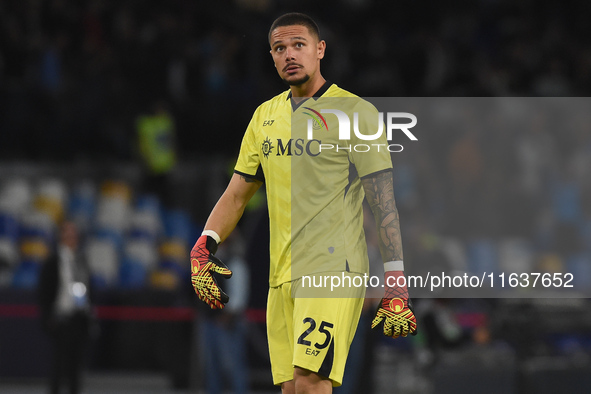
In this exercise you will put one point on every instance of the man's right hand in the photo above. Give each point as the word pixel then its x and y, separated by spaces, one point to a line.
pixel 203 263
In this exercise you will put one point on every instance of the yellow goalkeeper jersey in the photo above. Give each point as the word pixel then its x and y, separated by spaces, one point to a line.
pixel 312 176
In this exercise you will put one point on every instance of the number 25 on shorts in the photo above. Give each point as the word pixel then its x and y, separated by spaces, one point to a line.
pixel 324 329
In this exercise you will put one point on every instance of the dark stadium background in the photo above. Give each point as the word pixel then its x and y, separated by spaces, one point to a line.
pixel 75 76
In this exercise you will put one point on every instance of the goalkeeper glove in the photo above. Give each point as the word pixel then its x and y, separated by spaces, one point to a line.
pixel 395 309
pixel 203 263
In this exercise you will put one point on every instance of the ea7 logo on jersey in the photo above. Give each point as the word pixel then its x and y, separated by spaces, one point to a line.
pixel 268 122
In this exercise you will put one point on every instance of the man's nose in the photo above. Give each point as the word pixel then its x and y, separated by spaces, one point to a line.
pixel 289 54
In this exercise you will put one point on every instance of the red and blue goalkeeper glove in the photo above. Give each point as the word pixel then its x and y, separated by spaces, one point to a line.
pixel 395 309
pixel 203 264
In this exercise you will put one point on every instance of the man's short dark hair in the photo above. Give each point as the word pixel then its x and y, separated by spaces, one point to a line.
pixel 296 18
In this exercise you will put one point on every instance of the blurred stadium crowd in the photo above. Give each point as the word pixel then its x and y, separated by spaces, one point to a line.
pixel 75 76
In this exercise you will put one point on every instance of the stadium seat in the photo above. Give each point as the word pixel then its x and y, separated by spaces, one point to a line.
pixel 405 185
pixel 35 248
pixel 26 275
pixel 164 279
pixel 174 259
pixel 113 213
pixel 585 232
pixel 132 273
pixel 9 235
pixel 148 203
pixel 178 225
pixel 103 261
pixel 114 236
pixel 9 254
pixel 34 252
pixel 16 196
pixel 483 256
pixel 37 224
pixel 82 205
pixel 116 189
pixel 550 262
pixel 567 202
pixel 9 225
pixel 579 265
pixel 145 224
pixel 142 251
pixel 455 252
pixel 515 255
pixel 51 198
pixel 174 250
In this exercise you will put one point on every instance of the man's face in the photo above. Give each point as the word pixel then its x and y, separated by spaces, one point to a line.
pixel 296 53
pixel 69 235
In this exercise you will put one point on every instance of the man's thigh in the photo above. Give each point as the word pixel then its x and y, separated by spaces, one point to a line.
pixel 311 333
pixel 323 331
pixel 280 332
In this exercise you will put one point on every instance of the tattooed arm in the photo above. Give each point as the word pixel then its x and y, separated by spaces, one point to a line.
pixel 379 191
pixel 395 309
pixel 230 207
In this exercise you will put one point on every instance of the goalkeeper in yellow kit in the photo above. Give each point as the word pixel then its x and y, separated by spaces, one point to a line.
pixel 316 220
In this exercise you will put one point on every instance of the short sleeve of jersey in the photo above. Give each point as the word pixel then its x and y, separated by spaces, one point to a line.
pixel 369 156
pixel 249 159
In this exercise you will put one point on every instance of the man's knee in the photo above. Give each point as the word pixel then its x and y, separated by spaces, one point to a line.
pixel 288 387
pixel 307 381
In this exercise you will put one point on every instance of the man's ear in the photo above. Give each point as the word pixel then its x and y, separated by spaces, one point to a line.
pixel 271 52
pixel 321 48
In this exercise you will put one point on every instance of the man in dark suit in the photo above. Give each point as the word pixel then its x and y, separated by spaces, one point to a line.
pixel 65 307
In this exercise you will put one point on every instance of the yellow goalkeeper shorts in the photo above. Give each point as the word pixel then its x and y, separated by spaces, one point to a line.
pixel 311 333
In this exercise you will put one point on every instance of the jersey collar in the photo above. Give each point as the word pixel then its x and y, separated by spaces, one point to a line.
pixel 319 93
